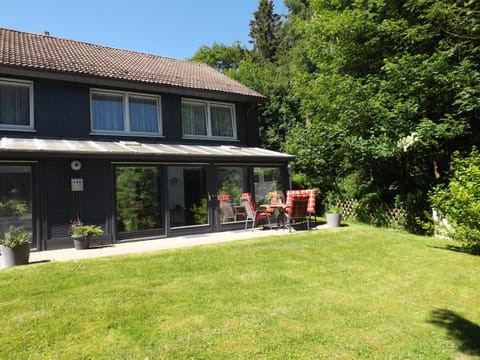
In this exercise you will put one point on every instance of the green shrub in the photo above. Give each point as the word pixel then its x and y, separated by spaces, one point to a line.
pixel 16 236
pixel 78 228
pixel 300 181
pixel 371 209
pixel 459 201
pixel 13 207
pixel 200 212
pixel 417 209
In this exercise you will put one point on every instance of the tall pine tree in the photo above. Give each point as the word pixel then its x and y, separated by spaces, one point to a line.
pixel 264 31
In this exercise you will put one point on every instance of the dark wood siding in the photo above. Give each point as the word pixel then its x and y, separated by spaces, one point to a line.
pixel 172 117
pixel 59 198
pixel 241 123
pixel 251 125
pixel 63 205
pixel 62 110
pixel 95 197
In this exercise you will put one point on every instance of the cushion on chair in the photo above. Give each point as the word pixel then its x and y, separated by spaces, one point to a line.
pixel 297 203
pixel 224 197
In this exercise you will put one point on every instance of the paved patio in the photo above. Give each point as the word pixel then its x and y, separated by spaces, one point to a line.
pixel 136 247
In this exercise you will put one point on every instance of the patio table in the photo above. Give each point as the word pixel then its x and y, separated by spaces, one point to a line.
pixel 281 212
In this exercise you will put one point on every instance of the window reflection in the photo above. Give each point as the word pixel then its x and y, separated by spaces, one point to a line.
pixel 138 198
pixel 267 180
pixel 15 197
pixel 232 183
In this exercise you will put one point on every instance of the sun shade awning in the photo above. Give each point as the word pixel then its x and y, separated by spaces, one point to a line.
pixel 137 150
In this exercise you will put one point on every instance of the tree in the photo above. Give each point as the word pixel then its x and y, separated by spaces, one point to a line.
pixel 222 57
pixel 266 69
pixel 372 97
pixel 279 112
pixel 299 8
pixel 387 94
pixel 264 31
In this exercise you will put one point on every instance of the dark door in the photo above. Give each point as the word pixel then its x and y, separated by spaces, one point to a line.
pixel 190 197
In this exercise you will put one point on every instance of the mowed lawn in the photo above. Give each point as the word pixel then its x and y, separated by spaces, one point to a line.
pixel 352 293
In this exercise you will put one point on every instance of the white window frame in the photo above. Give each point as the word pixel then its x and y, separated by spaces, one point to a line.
pixel 209 135
pixel 25 83
pixel 126 113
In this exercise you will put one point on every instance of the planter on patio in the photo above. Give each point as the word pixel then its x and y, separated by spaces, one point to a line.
pixel 81 242
pixel 81 234
pixel 18 255
pixel 334 219
pixel 15 247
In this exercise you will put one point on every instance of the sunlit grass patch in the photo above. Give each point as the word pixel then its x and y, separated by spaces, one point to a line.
pixel 353 293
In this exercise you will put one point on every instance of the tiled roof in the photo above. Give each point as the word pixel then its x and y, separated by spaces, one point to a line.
pixel 42 52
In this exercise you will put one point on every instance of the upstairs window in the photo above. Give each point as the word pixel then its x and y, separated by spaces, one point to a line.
pixel 16 105
pixel 208 119
pixel 122 112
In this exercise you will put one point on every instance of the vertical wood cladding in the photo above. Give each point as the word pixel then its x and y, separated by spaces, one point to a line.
pixel 59 209
pixel 94 205
pixel 61 109
pixel 64 205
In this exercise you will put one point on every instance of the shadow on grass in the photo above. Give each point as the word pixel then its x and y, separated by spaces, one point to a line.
pixel 459 249
pixel 465 332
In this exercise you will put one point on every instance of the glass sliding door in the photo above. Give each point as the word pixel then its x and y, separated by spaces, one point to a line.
pixel 187 196
pixel 138 198
pixel 16 198
pixel 232 182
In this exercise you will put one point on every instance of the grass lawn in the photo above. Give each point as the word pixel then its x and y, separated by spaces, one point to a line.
pixel 350 293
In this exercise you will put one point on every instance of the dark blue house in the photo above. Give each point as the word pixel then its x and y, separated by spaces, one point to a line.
pixel 143 145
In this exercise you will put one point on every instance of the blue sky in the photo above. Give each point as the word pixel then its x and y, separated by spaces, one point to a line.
pixel 173 28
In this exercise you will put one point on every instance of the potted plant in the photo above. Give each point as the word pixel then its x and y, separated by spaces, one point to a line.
pixel 15 246
pixel 81 234
pixel 333 215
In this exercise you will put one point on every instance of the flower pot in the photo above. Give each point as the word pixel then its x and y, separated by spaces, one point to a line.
pixel 334 220
pixel 81 242
pixel 18 255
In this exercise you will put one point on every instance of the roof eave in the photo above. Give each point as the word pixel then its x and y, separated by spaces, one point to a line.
pixel 35 155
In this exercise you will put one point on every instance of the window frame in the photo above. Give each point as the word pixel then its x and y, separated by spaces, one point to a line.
pixel 125 95
pixel 208 119
pixel 29 85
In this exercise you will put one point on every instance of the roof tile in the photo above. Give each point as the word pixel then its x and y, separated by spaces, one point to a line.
pixel 44 52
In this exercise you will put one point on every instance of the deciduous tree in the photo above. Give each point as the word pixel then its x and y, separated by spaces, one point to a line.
pixel 222 57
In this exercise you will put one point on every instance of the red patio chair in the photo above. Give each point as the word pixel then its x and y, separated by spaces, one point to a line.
pixel 224 197
pixel 240 210
pixel 226 208
pixel 252 214
pixel 297 207
pixel 312 194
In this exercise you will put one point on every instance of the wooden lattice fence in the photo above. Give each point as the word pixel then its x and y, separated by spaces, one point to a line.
pixel 392 215
pixel 348 208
